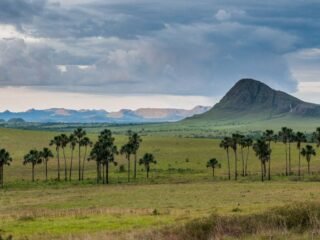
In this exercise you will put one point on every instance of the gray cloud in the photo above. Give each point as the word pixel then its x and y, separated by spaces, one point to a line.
pixel 155 46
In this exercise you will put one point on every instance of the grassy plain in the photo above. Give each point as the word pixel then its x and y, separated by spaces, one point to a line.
pixel 181 188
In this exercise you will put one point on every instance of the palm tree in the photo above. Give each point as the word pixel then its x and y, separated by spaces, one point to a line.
pixel 146 160
pixel 269 136
pixel 64 140
pixel 73 143
pixel 307 152
pixel 225 144
pixel 263 152
pixel 249 142
pixel 46 154
pixel 103 152
pixel 235 140
pixel 213 163
pixel 5 159
pixel 56 141
pixel 283 136
pixel 243 144
pixel 291 137
pixel 127 151
pixel 85 142
pixel 135 141
pixel 79 133
pixel 33 157
pixel 300 138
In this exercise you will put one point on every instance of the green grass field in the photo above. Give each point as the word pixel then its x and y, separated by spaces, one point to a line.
pixel 180 189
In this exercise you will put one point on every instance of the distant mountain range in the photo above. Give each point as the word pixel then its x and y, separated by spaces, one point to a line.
pixel 250 100
pixel 142 115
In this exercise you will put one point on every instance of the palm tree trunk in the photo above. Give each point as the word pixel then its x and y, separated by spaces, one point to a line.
pixel 128 168
pixel 229 172
pixel 1 176
pixel 107 172
pixel 286 160
pixel 242 162
pixel 32 172
pixel 212 172
pixel 65 165
pixel 269 169
pixel 246 167
pixel 46 169
pixel 235 165
pixel 58 157
pixel 269 163
pixel 309 167
pixel 289 158
pixel 262 171
pixel 79 168
pixel 148 169
pixel 135 166
pixel 84 158
pixel 71 160
pixel 103 175
pixel 98 171
pixel 299 167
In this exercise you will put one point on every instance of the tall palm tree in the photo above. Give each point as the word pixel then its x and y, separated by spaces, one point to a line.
pixel 146 160
pixel 126 150
pixel 249 143
pixel 235 140
pixel 291 137
pixel 56 141
pixel 64 140
pixel 263 152
pixel 226 144
pixel 34 158
pixel 307 152
pixel 283 136
pixel 46 154
pixel 5 159
pixel 269 136
pixel 73 143
pixel 103 152
pixel 135 141
pixel 85 142
pixel 213 163
pixel 300 138
pixel 243 145
pixel 79 133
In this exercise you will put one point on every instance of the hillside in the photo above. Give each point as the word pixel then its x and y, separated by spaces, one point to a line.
pixel 251 100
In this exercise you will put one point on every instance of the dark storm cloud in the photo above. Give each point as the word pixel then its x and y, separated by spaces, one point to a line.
pixel 20 11
pixel 172 47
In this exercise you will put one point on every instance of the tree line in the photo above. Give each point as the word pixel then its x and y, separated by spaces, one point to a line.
pixel 262 148
pixel 103 152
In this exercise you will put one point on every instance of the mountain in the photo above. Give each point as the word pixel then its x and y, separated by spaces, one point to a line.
pixel 141 115
pixel 251 100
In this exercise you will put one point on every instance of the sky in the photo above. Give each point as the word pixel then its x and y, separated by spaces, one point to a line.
pixel 113 54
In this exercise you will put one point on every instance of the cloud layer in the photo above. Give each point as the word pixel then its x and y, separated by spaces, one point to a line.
pixel 155 47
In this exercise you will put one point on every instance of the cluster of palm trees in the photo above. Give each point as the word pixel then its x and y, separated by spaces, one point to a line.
pixel 262 149
pixel 103 152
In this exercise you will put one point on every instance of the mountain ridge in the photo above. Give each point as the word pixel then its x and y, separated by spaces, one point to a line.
pixel 250 99
pixel 141 115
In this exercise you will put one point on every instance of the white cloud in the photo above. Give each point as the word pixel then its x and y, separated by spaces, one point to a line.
pixel 222 15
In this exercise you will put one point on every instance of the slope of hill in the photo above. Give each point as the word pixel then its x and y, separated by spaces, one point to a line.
pixel 143 115
pixel 250 100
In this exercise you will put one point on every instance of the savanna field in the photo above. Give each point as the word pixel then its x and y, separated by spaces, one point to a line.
pixel 179 191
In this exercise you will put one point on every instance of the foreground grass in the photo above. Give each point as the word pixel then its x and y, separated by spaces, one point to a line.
pixel 294 221
pixel 49 213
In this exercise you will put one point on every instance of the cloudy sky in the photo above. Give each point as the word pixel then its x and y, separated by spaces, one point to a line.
pixel 114 54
